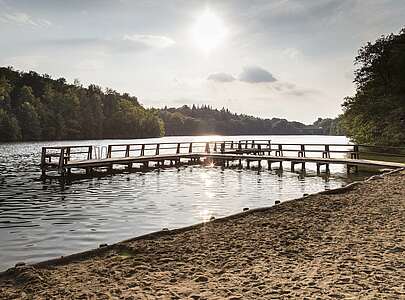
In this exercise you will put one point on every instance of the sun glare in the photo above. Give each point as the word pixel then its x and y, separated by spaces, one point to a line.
pixel 209 31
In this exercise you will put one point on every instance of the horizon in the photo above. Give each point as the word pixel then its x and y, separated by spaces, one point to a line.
pixel 266 59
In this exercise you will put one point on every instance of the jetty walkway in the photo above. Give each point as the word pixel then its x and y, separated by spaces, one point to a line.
pixel 65 161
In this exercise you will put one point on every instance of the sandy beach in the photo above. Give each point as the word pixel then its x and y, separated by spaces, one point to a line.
pixel 349 244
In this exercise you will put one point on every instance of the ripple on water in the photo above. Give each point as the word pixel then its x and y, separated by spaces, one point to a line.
pixel 45 220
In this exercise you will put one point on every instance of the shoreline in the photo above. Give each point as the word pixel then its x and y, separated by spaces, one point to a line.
pixel 160 236
pixel 165 231
pixel 106 247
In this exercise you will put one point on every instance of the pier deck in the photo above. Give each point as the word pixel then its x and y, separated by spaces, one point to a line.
pixel 88 158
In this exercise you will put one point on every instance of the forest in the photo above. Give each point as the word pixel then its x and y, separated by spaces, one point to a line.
pixel 197 120
pixel 36 107
pixel 376 113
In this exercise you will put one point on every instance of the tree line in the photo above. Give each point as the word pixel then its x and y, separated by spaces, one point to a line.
pixel 197 120
pixel 36 107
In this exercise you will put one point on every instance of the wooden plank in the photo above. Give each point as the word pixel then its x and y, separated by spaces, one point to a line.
pixel 135 159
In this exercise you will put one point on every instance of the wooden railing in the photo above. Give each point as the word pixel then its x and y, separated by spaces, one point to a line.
pixel 64 154
pixel 265 146
pixel 168 148
pixel 58 157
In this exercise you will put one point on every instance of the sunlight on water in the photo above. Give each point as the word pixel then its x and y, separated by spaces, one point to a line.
pixel 46 220
pixel 205 215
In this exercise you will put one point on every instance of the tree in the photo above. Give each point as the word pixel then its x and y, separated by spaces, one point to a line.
pixel 5 90
pixel 25 94
pixel 29 122
pixel 376 113
pixel 9 129
pixel 330 126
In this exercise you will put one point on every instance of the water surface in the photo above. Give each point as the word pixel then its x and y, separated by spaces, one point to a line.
pixel 42 220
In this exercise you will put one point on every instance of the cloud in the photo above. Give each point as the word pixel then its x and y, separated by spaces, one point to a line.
pixel 23 19
pixel 292 53
pixel 256 75
pixel 251 74
pixel 221 77
pixel 155 41
pixel 24 62
pixel 291 89
pixel 126 44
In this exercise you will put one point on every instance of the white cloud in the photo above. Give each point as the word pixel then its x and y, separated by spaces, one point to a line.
pixel 23 19
pixel 292 53
pixel 221 77
pixel 155 41
pixel 24 62
pixel 256 75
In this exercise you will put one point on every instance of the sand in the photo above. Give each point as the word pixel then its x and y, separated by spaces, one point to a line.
pixel 347 245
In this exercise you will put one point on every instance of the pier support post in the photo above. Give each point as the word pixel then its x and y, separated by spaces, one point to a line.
pixel 292 166
pixel 269 164
pixel 248 163
pixel 88 171
pixel 349 169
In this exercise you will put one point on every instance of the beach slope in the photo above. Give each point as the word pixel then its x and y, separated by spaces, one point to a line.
pixel 349 244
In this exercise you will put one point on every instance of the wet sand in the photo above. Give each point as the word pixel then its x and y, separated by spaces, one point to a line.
pixel 345 245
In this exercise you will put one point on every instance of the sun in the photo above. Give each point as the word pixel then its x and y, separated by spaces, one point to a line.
pixel 209 31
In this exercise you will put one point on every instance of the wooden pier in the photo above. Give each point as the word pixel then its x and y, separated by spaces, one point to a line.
pixel 90 160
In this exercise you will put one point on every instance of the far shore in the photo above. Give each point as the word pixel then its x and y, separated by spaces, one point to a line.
pixel 347 243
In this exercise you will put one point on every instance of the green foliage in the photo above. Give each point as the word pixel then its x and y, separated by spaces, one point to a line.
pixel 9 129
pixel 206 120
pixel 330 126
pixel 29 122
pixel 376 113
pixel 36 107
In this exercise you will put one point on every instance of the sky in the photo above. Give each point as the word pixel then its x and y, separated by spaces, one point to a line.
pixel 276 58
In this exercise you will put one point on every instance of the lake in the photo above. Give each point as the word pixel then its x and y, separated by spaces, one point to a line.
pixel 42 220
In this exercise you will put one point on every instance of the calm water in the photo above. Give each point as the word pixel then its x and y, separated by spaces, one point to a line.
pixel 46 220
